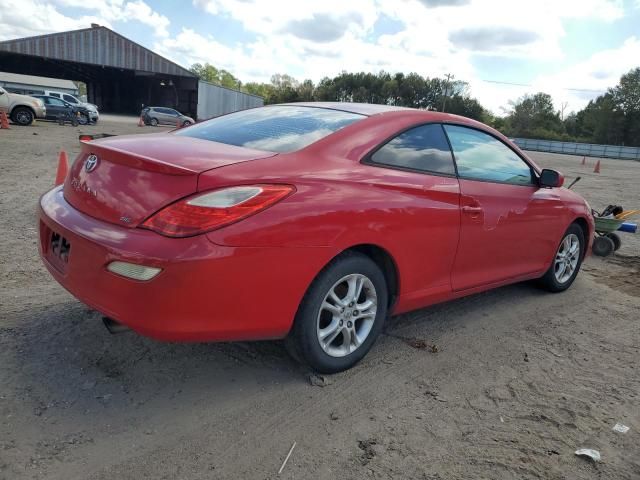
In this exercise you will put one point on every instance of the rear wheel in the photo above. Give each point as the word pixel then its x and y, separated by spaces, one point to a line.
pixel 615 238
pixel 341 314
pixel 154 122
pixel 22 116
pixel 567 261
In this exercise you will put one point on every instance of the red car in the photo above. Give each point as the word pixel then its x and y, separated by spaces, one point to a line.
pixel 311 222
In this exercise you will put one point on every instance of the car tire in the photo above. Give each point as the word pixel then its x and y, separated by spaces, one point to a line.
pixel 154 122
pixel 186 123
pixel 22 116
pixel 83 119
pixel 615 238
pixel 558 278
pixel 346 304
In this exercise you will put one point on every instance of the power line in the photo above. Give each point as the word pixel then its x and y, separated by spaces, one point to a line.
pixel 586 90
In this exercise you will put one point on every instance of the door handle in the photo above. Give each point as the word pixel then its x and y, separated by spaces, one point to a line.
pixel 471 210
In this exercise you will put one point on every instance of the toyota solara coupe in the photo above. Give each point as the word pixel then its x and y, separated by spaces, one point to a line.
pixel 309 222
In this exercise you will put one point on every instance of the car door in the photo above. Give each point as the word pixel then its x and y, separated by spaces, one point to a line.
pixel 172 116
pixel 54 107
pixel 419 166
pixel 505 216
pixel 166 117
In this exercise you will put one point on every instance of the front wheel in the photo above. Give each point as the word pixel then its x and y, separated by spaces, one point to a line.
pixel 567 261
pixel 341 314
pixel 83 119
pixel 22 116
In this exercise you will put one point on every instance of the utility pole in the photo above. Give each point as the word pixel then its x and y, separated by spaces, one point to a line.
pixel 446 88
pixel 563 106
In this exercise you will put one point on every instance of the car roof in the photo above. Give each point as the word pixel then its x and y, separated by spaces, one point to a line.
pixel 352 107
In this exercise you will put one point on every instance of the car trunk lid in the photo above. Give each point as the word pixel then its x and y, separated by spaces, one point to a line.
pixel 124 180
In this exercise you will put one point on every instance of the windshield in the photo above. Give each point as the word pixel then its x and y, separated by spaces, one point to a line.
pixel 279 128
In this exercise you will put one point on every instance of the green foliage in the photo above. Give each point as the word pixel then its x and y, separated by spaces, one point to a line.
pixel 532 116
pixel 211 74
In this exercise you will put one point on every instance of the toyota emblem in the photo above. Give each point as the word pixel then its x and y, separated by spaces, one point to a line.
pixel 91 163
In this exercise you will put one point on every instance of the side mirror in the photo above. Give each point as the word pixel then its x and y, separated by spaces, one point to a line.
pixel 1 92
pixel 551 178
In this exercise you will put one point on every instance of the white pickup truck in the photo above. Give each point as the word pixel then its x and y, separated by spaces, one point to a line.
pixel 21 109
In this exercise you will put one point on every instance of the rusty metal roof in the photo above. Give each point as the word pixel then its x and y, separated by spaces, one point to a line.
pixel 98 46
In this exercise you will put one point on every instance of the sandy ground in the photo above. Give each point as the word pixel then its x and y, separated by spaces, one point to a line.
pixel 518 380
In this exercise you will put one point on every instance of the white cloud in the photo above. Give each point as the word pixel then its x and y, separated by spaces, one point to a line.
pixel 437 37
pixel 318 39
pixel 22 18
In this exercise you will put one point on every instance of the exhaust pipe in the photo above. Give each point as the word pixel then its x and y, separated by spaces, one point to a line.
pixel 114 327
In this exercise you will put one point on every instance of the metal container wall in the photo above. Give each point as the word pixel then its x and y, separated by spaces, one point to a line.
pixel 214 100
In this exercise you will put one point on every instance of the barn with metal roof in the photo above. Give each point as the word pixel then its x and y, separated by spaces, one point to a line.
pixel 121 75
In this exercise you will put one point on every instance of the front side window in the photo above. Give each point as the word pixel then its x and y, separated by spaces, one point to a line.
pixel 479 156
pixel 423 148
pixel 55 102
pixel 70 99
pixel 279 128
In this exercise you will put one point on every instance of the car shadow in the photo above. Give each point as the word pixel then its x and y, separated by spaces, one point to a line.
pixel 63 356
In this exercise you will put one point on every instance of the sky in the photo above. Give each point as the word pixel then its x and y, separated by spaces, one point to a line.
pixel 571 49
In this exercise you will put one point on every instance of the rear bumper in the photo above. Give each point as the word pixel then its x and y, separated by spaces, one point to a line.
pixel 204 291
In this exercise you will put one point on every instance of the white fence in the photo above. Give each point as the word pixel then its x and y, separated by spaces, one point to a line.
pixel 582 149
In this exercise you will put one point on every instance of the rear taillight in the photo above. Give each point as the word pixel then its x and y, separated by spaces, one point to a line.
pixel 208 211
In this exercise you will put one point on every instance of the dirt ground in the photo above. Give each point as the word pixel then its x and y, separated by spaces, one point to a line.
pixel 501 385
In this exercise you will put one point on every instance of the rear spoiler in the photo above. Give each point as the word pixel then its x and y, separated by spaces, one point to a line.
pixel 123 157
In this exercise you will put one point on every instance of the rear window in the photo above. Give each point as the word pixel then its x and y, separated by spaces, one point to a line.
pixel 275 129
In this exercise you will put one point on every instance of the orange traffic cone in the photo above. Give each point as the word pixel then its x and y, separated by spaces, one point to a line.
pixel 178 124
pixel 597 167
pixel 584 161
pixel 141 122
pixel 63 168
pixel 4 121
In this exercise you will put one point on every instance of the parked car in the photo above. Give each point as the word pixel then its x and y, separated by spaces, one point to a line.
pixel 22 109
pixel 67 97
pixel 164 116
pixel 56 107
pixel 311 222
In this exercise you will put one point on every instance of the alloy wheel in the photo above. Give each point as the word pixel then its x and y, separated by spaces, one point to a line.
pixel 347 315
pixel 567 258
pixel 23 117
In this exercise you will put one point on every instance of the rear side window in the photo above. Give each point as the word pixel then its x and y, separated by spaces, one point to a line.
pixel 57 95
pixel 275 129
pixel 479 156
pixel 423 148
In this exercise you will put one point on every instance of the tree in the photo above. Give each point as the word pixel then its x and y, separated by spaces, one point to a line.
pixel 211 74
pixel 534 116
pixel 627 96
